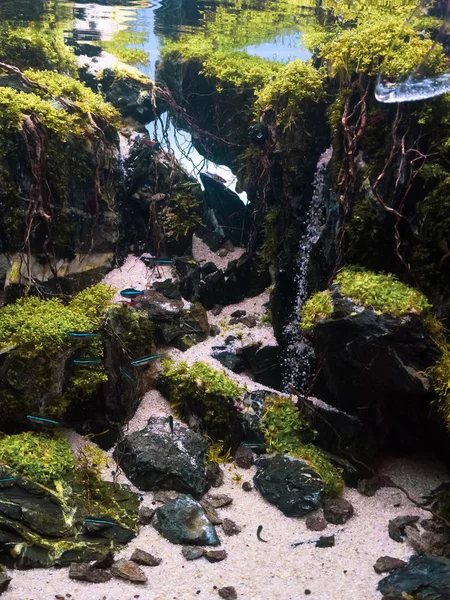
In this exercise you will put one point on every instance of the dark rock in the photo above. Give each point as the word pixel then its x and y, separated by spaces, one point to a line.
pixel 230 360
pixel 424 576
pixel 84 572
pixel 168 288
pixel 251 417
pixel 219 500
pixel 315 523
pixel 192 552
pixel 229 246
pixel 230 339
pixel 213 239
pixel 326 541
pixel 307 592
pixel 214 556
pixel 127 569
pixel 145 558
pixel 230 528
pixel 130 96
pixel 146 515
pixel 264 363
pixel 392 396
pixel 369 487
pixel 228 593
pixel 106 562
pixel 5 580
pixel 226 212
pixel 291 484
pixel 183 521
pixel 216 310
pixel 222 253
pixel 387 563
pixel 208 268
pixel 238 313
pixel 193 326
pixel 211 513
pixel 214 475
pixel 337 510
pixel 249 321
pixel 244 457
pixel 429 543
pixel 396 527
pixel 165 496
pixel 154 458
pixel 247 486
pixel 214 330
pixel 158 307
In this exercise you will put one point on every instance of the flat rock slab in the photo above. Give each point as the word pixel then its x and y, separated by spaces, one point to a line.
pixel 84 572
pixel 219 500
pixel 184 521
pixel 289 483
pixel 154 458
pixel 127 569
pixel 426 575
pixel 141 557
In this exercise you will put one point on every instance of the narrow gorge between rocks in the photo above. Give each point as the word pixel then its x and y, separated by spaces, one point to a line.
pixel 224 300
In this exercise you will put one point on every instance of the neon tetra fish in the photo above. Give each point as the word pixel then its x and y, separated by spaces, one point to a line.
pixel 131 293
pixel 146 359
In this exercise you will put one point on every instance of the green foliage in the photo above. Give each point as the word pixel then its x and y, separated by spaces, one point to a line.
pixel 134 330
pixel 200 387
pixel 40 46
pixel 217 453
pixel 284 428
pixel 290 90
pixel 287 432
pixel 182 216
pixel 73 90
pixel 271 230
pixel 91 461
pixel 120 44
pixel 318 307
pixel 317 459
pixel 440 371
pixel 42 458
pixel 34 325
pixel 382 292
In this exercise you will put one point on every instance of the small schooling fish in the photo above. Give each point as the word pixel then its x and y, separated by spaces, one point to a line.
pixel 131 293
pixel 122 370
pixel 143 361
pixel 81 334
pixel 258 534
pixel 99 522
pixel 86 362
pixel 170 419
pixel 42 420
pixel 7 479
pixel 254 444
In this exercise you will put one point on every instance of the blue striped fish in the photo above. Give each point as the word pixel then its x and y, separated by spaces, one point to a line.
pixel 42 420
pixel 143 361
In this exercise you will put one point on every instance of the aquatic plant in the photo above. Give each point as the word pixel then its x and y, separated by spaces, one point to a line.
pixel 42 458
pixel 440 371
pixel 271 231
pixel 183 214
pixel 120 43
pixel 217 453
pixel 318 307
pixel 381 292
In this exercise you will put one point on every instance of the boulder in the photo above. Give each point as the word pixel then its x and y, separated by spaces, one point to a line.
pixel 424 577
pixel 244 457
pixel 393 395
pixel 289 483
pixel 264 363
pixel 183 521
pixel 230 360
pixel 154 458
pixel 337 510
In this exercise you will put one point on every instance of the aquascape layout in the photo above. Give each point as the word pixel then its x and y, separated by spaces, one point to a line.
pixel 225 299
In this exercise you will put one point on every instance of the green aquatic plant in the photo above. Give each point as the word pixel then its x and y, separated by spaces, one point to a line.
pixel 120 43
pixel 286 431
pixel 41 458
pixel 183 214
pixel 382 292
pixel 440 371
pixel 217 453
pixel 283 426
pixel 290 90
pixel 318 307
pixel 33 325
pixel 271 231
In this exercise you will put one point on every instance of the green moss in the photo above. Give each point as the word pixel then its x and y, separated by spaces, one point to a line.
pixel 42 458
pixel 271 230
pixel 34 325
pixel 217 453
pixel 133 329
pixel 290 90
pixel 382 292
pixel 286 431
pixel 183 214
pixel 202 389
pixel 440 371
pixel 318 307
pixel 283 426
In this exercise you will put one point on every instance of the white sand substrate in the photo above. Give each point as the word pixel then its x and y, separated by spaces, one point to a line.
pixel 258 571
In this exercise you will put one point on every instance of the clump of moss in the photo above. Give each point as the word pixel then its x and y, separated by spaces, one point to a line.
pixel 318 307
pixel 183 214
pixel 382 292
pixel 288 92
pixel 287 432
pixel 217 453
pixel 134 330
pixel 440 371
pixel 33 325
pixel 41 458
pixel 271 230
pixel 202 389
pixel 283 427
